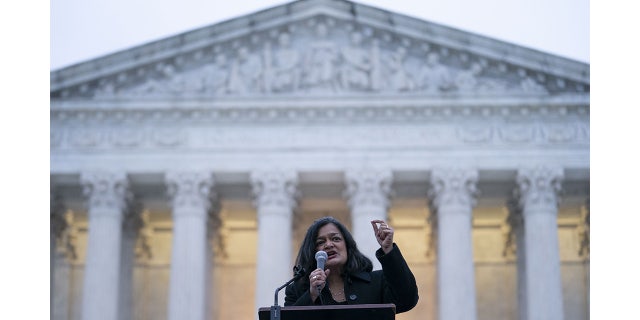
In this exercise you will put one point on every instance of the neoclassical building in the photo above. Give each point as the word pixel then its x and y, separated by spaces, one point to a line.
pixel 185 171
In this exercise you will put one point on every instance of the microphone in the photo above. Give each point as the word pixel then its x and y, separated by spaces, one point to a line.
pixel 321 258
pixel 275 308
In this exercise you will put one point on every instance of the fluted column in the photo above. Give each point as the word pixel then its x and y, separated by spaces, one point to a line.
pixel 452 197
pixel 108 197
pixel 275 198
pixel 368 192
pixel 191 196
pixel 537 193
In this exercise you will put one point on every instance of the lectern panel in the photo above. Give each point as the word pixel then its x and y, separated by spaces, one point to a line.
pixel 336 312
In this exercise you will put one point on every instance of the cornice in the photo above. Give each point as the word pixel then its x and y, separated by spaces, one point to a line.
pixel 321 111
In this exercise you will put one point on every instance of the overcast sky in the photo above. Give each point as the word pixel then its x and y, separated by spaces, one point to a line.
pixel 86 29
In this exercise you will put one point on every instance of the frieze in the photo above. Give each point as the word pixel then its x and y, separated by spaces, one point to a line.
pixel 86 138
pixel 55 138
pixel 518 133
pixel 169 138
pixel 324 56
pixel 127 138
pixel 557 133
pixel 329 137
pixel 475 134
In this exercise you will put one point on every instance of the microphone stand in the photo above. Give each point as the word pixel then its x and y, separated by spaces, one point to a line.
pixel 275 308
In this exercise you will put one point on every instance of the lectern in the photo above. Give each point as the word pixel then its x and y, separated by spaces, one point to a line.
pixel 334 312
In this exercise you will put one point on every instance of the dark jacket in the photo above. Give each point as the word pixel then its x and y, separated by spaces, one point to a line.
pixel 393 284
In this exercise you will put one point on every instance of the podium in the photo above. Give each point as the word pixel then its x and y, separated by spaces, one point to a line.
pixel 333 312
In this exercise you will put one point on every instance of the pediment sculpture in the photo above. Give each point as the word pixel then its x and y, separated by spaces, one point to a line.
pixel 324 55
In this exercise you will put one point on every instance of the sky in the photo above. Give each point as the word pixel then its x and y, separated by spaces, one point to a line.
pixel 82 30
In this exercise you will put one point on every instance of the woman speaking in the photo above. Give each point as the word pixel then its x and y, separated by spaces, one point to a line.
pixel 347 276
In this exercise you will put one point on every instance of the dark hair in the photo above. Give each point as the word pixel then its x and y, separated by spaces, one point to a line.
pixel 356 261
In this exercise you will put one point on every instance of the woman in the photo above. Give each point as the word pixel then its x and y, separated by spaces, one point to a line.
pixel 348 277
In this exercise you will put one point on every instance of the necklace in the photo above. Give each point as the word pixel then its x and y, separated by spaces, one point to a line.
pixel 338 295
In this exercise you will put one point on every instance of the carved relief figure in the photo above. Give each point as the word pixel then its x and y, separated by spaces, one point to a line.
pixel 282 71
pixel 246 73
pixel 400 79
pixel 358 65
pixel 153 85
pixel 216 75
pixel 467 80
pixel 530 85
pixel 105 89
pixel 320 62
pixel 376 70
pixel 434 76
pixel 177 83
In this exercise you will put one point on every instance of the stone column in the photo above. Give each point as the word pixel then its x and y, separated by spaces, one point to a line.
pixel 537 194
pixel 108 198
pixel 368 193
pixel 192 195
pixel 275 198
pixel 452 197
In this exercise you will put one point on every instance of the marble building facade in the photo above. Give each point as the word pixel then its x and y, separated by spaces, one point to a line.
pixel 184 172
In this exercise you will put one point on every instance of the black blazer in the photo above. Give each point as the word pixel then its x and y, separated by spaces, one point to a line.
pixel 393 284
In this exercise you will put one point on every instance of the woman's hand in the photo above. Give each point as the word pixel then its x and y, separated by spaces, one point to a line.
pixel 384 235
pixel 317 281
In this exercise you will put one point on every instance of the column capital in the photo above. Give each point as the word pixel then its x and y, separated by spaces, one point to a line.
pixel 106 189
pixel 539 188
pixel 452 186
pixel 191 189
pixel 276 188
pixel 368 187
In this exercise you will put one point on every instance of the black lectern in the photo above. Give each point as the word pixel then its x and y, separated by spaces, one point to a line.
pixel 334 312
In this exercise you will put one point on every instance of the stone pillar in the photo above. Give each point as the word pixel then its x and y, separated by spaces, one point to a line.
pixel 192 195
pixel 108 198
pixel 537 194
pixel 452 197
pixel 368 193
pixel 275 198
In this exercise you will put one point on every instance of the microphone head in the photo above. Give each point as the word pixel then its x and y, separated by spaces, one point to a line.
pixel 321 258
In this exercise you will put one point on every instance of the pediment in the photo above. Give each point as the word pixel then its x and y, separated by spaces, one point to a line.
pixel 321 48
